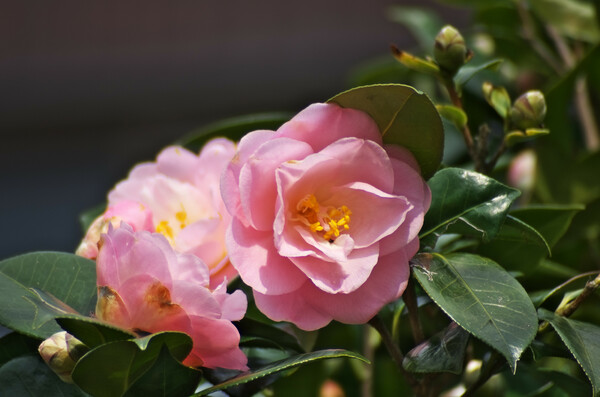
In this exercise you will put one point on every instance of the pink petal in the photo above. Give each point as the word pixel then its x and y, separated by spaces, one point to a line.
pixel 260 266
pixel 258 189
pixel 178 163
pixel 403 155
pixel 233 306
pixel 194 300
pixel 321 124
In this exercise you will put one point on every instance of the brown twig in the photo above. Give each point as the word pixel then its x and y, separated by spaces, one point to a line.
pixel 589 288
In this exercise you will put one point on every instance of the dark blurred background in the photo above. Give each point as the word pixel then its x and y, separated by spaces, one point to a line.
pixel 88 89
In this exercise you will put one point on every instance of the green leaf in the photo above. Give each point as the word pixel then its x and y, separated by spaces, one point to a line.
pixel 282 365
pixel 514 137
pixel 92 332
pixel 423 24
pixel 111 369
pixel 267 335
pixel 498 98
pixel 454 114
pixel 583 340
pixel 443 352
pixel 517 246
pixel 574 19
pixel 233 128
pixel 14 345
pixel 466 73
pixel 552 221
pixel 167 377
pixel 466 202
pixel 415 63
pixel 405 117
pixel 38 286
pixel 482 298
pixel 29 376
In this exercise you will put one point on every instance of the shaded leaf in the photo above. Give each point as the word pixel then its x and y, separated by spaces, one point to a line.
pixel 233 128
pixel 166 377
pixel 29 376
pixel 405 117
pixel 482 298
pixel 38 286
pixel 443 352
pixel 574 19
pixel 466 202
pixel 88 216
pixel 466 73
pixel 111 369
pixel 267 334
pixel 583 340
pixel 454 114
pixel 282 365
pixel 14 345
pixel 92 332
pixel 552 221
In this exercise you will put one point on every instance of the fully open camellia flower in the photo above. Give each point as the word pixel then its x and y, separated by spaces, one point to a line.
pixel 177 196
pixel 325 218
pixel 145 286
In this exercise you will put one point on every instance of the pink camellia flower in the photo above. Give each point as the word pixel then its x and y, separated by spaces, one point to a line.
pixel 179 197
pixel 325 218
pixel 145 286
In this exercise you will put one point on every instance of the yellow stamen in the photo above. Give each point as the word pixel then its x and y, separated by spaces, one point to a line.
pixel 326 223
pixel 164 229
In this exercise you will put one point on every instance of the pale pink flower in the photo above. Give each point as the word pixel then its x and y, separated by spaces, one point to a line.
pixel 177 196
pixel 145 286
pixel 325 218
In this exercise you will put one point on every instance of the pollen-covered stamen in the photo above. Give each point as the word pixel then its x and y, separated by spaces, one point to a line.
pixel 327 222
pixel 164 227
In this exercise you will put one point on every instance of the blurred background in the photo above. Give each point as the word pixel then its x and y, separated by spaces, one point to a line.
pixel 88 89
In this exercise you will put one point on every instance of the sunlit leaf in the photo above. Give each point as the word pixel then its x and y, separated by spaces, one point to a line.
pixel 514 137
pixel 466 202
pixel 443 352
pixel 282 365
pixel 405 117
pixel 482 298
pixel 454 114
pixel 583 340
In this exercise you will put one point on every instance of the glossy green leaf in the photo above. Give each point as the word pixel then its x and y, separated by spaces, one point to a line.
pixel 466 202
pixel 517 246
pixel 481 297
pixel 583 340
pixel 574 19
pixel 14 345
pixel 466 73
pixel 454 114
pixel 38 286
pixel 92 332
pixel 111 369
pixel 282 365
pixel 424 24
pixel 233 128
pixel 443 352
pixel 267 335
pixel 29 376
pixel 166 377
pixel 405 117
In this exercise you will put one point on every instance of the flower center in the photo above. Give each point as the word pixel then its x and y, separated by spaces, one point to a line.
pixel 326 222
pixel 170 229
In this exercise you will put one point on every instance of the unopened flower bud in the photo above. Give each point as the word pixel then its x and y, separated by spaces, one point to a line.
pixel 529 110
pixel 61 352
pixel 331 388
pixel 450 51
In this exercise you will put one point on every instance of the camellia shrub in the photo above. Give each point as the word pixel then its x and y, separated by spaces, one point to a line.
pixel 432 231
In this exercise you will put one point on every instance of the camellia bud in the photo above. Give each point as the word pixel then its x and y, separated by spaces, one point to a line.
pixel 450 51
pixel 331 388
pixel 529 110
pixel 61 352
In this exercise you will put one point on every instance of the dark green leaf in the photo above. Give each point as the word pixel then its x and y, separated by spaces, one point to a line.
pixel 271 334
pixel 443 352
pixel 552 221
pixel 282 365
pixel 110 369
pixel 233 128
pixel 574 19
pixel 466 202
pixel 29 376
pixel 482 298
pixel 14 345
pixel 517 246
pixel 166 377
pixel 405 117
pixel 583 340
pixel 38 286
pixel 466 73
pixel 92 332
